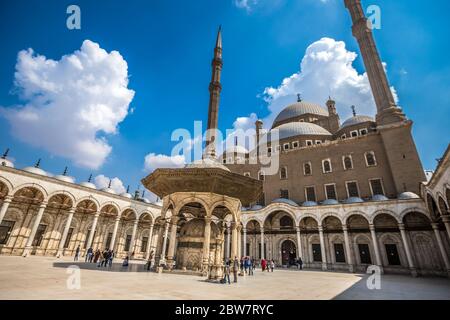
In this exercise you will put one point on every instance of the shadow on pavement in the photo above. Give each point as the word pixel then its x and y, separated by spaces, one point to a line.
pixel 116 267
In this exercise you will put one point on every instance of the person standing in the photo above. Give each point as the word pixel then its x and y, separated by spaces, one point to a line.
pixel 300 263
pixel 226 273
pixel 263 264
pixel 96 256
pixel 111 258
pixel 149 262
pixel 272 265
pixel 235 268
pixel 77 254
pixel 250 266
pixel 125 262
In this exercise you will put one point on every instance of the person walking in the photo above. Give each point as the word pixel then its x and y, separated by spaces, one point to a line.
pixel 235 268
pixel 250 266
pixel 272 265
pixel 96 256
pixel 100 259
pixel 88 254
pixel 263 264
pixel 105 258
pixel 300 263
pixel 226 273
pixel 241 266
pixel 77 254
pixel 246 265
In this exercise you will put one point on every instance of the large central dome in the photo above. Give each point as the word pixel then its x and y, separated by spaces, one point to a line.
pixel 298 109
pixel 293 129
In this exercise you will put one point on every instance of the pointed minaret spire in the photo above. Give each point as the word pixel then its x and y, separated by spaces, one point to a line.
pixel 90 178
pixel 214 97
pixel 38 163
pixel 387 111
pixel 5 154
pixel 65 171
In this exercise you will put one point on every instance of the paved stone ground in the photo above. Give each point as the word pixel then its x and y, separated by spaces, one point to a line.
pixel 46 278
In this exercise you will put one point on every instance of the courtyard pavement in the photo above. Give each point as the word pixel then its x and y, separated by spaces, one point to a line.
pixel 47 277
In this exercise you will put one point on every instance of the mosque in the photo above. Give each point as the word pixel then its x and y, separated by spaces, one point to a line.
pixel 347 195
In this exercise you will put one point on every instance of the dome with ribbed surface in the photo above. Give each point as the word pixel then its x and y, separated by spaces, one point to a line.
pixel 65 178
pixel 286 201
pixel 379 197
pixel 293 129
pixel 35 170
pixel 356 120
pixel 298 109
pixel 6 163
pixel 353 200
pixel 408 196
pixel 330 202
pixel 309 204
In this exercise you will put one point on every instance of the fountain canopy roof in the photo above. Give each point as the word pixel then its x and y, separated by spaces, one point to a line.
pixel 212 177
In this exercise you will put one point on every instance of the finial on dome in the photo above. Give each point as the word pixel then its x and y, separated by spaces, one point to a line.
pixel 90 178
pixel 38 163
pixel 136 194
pixel 299 97
pixel 354 110
pixel 5 154
pixel 109 184
pixel 143 193
pixel 65 171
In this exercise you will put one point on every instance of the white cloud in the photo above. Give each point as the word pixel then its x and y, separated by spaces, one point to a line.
pixel 154 161
pixel 70 102
pixel 326 69
pixel 102 181
pixel 245 4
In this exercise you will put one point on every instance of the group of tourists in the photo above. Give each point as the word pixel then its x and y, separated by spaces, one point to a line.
pixel 240 267
pixel 267 265
pixel 102 258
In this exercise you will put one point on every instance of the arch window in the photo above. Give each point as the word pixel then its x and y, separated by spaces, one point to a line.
pixel 6 228
pixel 352 189
pixel 348 162
pixel 371 161
pixel 330 191
pixel 284 194
pixel 307 169
pixel 283 173
pixel 326 166
pixel 286 222
pixel 376 186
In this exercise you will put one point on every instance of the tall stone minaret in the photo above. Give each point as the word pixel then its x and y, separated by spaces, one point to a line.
pixel 387 111
pixel 395 130
pixel 214 97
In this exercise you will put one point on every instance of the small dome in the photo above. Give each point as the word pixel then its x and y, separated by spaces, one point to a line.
pixel 65 178
pixel 108 190
pixel 286 201
pixel 237 149
pixel 330 202
pixel 126 195
pixel 356 120
pixel 298 109
pixel 379 197
pixel 293 129
pixel 206 163
pixel 309 204
pixel 407 196
pixel 6 163
pixel 256 207
pixel 353 200
pixel 35 171
pixel 88 185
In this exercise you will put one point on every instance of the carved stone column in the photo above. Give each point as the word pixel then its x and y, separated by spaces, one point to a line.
pixel 322 248
pixel 445 220
pixel 376 248
pixel 351 266
pixel 5 206
pixel 441 247
pixel 206 244
pixel 409 257
pixel 244 241
pixel 65 232
pixel 37 221
pixel 227 251
pixel 262 243
pixel 114 235
pixel 133 236
pixel 149 245
pixel 234 241
pixel 172 242
pixel 299 243
pixel 164 244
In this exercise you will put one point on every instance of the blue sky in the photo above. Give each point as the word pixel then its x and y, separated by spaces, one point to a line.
pixel 168 47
